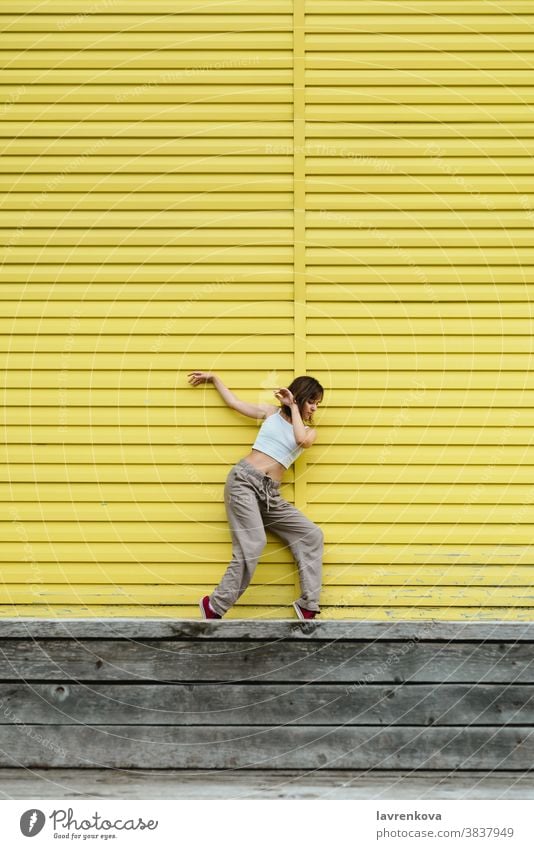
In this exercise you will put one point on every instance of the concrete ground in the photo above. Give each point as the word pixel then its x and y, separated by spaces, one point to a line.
pixel 256 784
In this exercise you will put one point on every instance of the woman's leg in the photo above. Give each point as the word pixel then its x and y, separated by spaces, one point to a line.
pixel 306 541
pixel 248 541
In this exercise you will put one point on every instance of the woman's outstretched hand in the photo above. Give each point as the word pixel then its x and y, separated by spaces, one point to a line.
pixel 197 377
pixel 285 396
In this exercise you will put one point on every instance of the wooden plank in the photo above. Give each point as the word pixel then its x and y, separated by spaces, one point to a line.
pixel 127 628
pixel 273 704
pixel 263 784
pixel 259 662
pixel 260 747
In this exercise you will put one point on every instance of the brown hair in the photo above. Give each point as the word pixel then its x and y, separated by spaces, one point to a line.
pixel 303 389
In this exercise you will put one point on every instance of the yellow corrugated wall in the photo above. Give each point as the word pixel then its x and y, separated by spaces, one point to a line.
pixel 266 189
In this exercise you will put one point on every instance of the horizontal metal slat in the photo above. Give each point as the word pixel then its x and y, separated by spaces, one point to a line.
pixel 459 297
pixel 420 197
pixel 234 221
pixel 159 273
pixel 380 56
pixel 419 361
pixel 155 41
pixel 146 182
pixel 222 289
pixel 343 96
pixel 151 164
pixel 199 92
pixel 377 552
pixel 459 167
pixel 128 147
pixel 412 41
pixel 120 238
pixel 453 220
pixel 416 256
pixel 126 111
pixel 364 236
pixel 388 111
pixel 159 254
pixel 275 360
pixel 422 7
pixel 454 131
pixel 113 131
pixel 101 20
pixel 183 324
pixel 244 69
pixel 414 21
pixel 395 77
pixel 136 7
pixel 478 187
pixel 202 56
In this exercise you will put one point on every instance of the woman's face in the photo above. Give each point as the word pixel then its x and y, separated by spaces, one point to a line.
pixel 310 407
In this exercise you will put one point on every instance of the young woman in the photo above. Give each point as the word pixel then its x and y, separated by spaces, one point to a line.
pixel 252 497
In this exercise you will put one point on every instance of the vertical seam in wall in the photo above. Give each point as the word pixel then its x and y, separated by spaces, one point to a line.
pixel 299 200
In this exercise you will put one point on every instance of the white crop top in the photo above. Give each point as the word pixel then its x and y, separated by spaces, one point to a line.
pixel 276 438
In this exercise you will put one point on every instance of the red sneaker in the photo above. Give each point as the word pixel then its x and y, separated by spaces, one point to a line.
pixel 206 610
pixel 303 612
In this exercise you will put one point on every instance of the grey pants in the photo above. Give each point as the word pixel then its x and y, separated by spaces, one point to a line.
pixel 253 504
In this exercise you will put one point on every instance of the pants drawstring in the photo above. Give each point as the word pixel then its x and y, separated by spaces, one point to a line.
pixel 266 490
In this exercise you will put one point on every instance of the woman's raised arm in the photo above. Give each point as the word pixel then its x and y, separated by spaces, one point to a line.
pixel 254 411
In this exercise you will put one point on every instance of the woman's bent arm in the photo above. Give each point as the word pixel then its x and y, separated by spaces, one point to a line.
pixel 254 411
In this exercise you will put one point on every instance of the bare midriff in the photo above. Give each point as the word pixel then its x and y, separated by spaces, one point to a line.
pixel 266 464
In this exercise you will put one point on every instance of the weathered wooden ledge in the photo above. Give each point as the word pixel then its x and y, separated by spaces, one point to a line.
pixel 263 784
pixel 162 694
pixel 257 629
